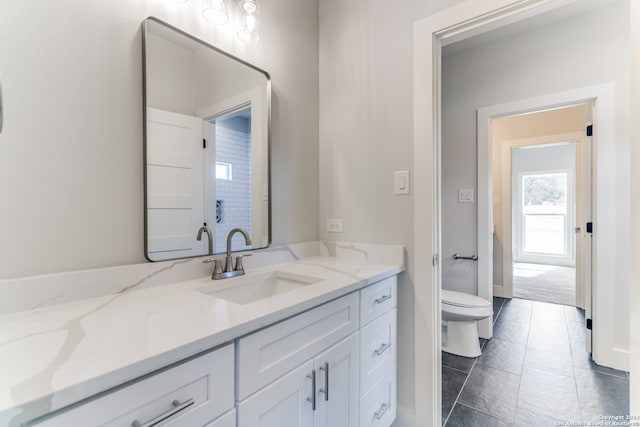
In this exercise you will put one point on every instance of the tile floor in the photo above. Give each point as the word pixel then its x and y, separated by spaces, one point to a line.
pixel 533 372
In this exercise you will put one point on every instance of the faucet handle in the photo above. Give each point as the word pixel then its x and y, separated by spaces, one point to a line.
pixel 217 264
pixel 239 265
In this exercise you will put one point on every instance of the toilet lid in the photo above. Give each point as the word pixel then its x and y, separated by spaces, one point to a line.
pixel 461 299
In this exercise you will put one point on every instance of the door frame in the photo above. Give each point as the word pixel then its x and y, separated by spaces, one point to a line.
pixel 582 144
pixel 603 347
pixel 463 20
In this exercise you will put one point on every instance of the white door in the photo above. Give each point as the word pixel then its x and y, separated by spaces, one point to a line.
pixel 284 403
pixel 337 390
pixel 174 185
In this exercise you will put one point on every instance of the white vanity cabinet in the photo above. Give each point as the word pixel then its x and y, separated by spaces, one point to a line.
pixel 347 346
pixel 378 349
pixel 197 392
pixel 303 371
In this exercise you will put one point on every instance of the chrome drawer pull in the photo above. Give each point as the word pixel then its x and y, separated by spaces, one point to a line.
pixel 312 399
pixel 381 349
pixel 383 409
pixel 382 299
pixel 325 390
pixel 177 407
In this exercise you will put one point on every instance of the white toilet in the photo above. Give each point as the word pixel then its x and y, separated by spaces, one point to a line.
pixel 460 315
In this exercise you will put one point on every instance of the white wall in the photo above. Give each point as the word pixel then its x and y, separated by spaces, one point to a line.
pixel 366 133
pixel 71 149
pixel 170 76
pixel 544 61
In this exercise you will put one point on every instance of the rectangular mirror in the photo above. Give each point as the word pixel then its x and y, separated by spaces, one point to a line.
pixel 206 146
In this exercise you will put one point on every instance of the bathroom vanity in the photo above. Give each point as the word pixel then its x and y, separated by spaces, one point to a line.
pixel 306 342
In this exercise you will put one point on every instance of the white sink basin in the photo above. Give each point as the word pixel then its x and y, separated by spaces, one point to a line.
pixel 248 289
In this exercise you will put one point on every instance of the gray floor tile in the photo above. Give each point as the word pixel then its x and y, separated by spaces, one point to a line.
pixel 505 355
pixel 491 391
pixel 574 314
pixel 464 416
pixel 549 334
pixel 551 395
pixel 551 359
pixel 576 330
pixel 579 355
pixel 529 418
pixel 460 363
pixel 511 330
pixel 546 312
pixel 452 382
pixel 601 394
pixel 518 303
pixel 558 383
pixel 516 310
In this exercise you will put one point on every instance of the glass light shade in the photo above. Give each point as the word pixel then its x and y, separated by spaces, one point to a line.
pixel 250 31
pixel 215 12
pixel 249 6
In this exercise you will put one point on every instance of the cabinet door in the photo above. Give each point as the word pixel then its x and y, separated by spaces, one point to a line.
pixel 337 390
pixel 227 420
pixel 283 403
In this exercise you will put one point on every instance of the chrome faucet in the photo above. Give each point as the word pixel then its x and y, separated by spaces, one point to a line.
pixel 229 269
pixel 207 230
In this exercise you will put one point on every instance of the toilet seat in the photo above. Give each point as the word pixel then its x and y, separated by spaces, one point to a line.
pixel 464 300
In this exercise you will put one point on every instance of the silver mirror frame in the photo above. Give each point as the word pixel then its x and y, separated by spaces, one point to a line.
pixel 144 127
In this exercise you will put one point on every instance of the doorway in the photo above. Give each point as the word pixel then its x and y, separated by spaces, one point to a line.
pixel 457 23
pixel 541 191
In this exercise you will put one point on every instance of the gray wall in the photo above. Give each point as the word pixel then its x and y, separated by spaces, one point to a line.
pixel 71 149
pixel 366 133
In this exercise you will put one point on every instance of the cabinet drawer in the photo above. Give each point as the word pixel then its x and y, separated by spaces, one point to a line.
pixel 378 406
pixel 202 386
pixel 268 354
pixel 377 349
pixel 377 299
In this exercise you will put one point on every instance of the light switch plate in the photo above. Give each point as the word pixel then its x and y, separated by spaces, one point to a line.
pixel 465 196
pixel 401 182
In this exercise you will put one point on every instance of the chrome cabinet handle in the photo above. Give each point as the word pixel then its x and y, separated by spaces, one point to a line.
pixel 378 351
pixel 312 399
pixel 177 407
pixel 383 409
pixel 382 299
pixel 325 391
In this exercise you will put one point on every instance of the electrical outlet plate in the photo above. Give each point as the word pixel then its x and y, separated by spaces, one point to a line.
pixel 334 225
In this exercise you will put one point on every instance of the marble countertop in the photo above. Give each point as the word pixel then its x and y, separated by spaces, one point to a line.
pixel 53 356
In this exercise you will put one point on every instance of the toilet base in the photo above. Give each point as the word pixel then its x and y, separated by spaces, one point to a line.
pixel 462 338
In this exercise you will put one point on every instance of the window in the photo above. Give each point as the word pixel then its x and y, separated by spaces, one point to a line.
pixel 544 214
pixel 224 171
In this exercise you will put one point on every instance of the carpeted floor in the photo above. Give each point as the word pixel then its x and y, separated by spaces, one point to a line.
pixel 547 283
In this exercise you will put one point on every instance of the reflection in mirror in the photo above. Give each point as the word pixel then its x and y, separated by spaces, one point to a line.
pixel 206 146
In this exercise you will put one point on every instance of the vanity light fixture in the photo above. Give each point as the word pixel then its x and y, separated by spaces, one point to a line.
pixel 250 30
pixel 215 11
